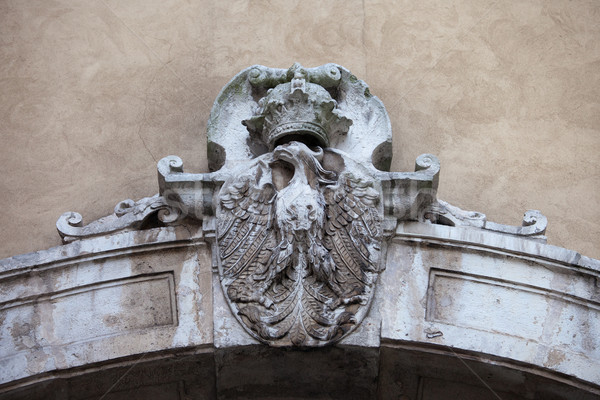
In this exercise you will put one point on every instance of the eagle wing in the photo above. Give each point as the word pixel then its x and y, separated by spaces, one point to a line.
pixel 245 236
pixel 353 238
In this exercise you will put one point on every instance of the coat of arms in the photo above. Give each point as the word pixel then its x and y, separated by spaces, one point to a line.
pixel 299 227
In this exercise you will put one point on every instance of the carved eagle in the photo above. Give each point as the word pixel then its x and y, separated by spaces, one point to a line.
pixel 298 260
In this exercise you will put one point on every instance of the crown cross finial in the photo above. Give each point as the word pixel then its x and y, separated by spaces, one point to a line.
pixel 299 82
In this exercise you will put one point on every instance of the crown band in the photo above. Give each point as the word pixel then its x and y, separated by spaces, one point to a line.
pixel 299 127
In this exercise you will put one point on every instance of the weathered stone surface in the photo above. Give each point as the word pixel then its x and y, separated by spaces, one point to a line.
pixel 360 113
pixel 492 293
pixel 299 234
pixel 104 298
pixel 521 314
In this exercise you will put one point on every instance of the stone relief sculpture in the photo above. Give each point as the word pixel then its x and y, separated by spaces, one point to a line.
pixel 299 259
pixel 299 204
pixel 299 231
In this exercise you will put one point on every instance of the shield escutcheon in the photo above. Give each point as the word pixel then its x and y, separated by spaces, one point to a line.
pixel 299 244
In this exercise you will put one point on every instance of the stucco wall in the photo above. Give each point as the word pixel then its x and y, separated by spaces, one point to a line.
pixel 507 95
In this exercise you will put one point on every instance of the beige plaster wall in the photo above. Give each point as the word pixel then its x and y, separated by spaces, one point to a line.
pixel 94 92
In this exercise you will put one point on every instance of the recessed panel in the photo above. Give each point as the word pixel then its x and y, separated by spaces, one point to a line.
pixel 84 313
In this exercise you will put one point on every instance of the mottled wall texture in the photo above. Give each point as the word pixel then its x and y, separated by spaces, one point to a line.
pixel 94 92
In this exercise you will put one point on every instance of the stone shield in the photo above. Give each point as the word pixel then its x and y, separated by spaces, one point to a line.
pixel 299 243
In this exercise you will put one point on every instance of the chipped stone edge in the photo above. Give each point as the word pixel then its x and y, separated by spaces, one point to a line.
pixel 489 241
pixel 121 243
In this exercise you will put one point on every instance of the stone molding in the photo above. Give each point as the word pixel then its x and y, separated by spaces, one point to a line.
pixel 440 259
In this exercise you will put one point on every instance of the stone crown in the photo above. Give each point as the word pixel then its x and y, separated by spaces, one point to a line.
pixel 297 109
